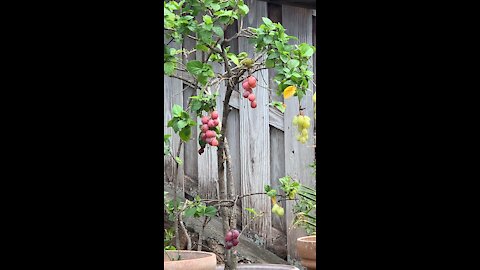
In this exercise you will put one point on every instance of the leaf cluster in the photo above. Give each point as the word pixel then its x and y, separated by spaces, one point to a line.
pixel 181 123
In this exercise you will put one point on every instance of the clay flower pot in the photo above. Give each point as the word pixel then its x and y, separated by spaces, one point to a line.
pixel 307 250
pixel 189 260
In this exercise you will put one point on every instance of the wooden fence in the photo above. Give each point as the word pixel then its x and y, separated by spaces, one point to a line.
pixel 262 141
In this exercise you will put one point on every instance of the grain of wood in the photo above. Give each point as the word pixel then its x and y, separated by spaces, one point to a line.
pixel 173 95
pixel 298 22
pixel 255 142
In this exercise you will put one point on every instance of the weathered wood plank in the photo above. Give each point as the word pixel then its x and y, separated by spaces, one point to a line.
pixel 276 118
pixel 207 165
pixel 274 14
pixel 233 137
pixel 298 22
pixel 173 95
pixel 192 146
pixel 277 170
pixel 255 142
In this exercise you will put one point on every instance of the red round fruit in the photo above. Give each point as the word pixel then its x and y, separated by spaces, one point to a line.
pixel 235 242
pixel 214 115
pixel 246 94
pixel 204 128
pixel 205 119
pixel 235 234
pixel 214 142
pixel 245 85
pixel 210 123
pixel 228 245
pixel 209 140
pixel 253 104
pixel 203 136
pixel 210 134
pixel 216 122
pixel 251 97
pixel 252 82
pixel 228 236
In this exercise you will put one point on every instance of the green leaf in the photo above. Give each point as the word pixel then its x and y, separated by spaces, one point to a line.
pixel 267 188
pixel 202 78
pixel 202 47
pixel 293 63
pixel 270 63
pixel 234 58
pixel 185 134
pixel 168 67
pixel 181 124
pixel 267 21
pixel 210 211
pixel 242 55
pixel 243 9
pixel 179 160
pixel 278 105
pixel 284 58
pixel 215 6
pixel 177 110
pixel 207 19
pixel 218 30
pixel 195 67
pixel 190 211
pixel 268 39
pixel 306 50
pixel 205 36
pixel 272 193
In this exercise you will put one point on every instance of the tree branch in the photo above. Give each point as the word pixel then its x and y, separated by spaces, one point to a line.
pixel 184 80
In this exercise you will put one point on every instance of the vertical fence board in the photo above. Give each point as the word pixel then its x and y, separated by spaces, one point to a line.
pixel 298 22
pixel 277 170
pixel 233 137
pixel 192 146
pixel 173 95
pixel 254 144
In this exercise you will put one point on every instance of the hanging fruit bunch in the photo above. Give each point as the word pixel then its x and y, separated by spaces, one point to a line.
pixel 231 239
pixel 248 85
pixel 209 131
pixel 303 123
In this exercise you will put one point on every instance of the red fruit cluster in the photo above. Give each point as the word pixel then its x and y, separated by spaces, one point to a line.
pixel 207 128
pixel 231 239
pixel 248 85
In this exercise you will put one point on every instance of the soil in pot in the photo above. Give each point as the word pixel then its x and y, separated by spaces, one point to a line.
pixel 307 250
pixel 189 260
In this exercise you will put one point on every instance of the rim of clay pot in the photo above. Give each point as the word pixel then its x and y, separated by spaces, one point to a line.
pixel 308 239
pixel 183 252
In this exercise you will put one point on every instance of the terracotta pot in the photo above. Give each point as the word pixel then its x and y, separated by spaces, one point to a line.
pixel 255 266
pixel 189 260
pixel 307 250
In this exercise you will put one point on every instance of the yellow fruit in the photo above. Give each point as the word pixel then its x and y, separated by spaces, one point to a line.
pixel 280 211
pixel 306 124
pixel 304 132
pixel 295 120
pixel 314 97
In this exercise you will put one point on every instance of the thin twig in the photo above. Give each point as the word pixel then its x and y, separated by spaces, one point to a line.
pixel 189 240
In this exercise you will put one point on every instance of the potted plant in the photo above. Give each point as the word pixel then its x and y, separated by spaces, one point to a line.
pixel 189 260
pixel 306 246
